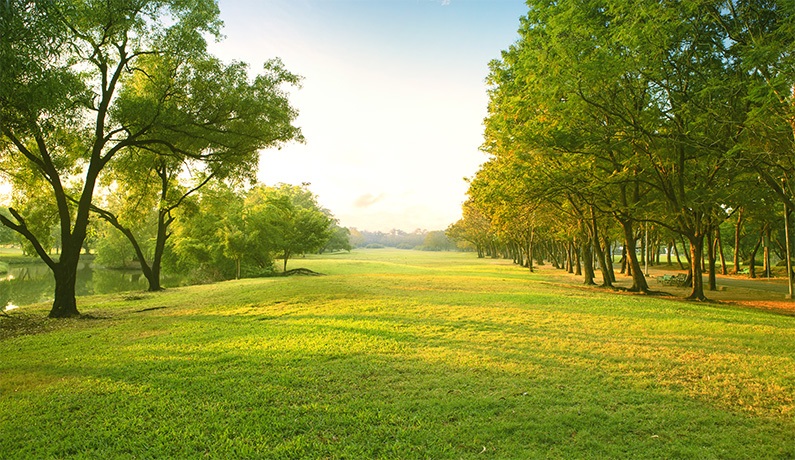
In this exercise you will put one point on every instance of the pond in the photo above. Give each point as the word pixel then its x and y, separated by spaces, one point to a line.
pixel 33 283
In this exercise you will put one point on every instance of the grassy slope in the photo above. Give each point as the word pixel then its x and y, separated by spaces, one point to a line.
pixel 399 354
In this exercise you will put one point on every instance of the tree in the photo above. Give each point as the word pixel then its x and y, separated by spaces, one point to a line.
pixel 288 220
pixel 83 82
pixel 208 231
pixel 474 227
pixel 340 240
pixel 437 241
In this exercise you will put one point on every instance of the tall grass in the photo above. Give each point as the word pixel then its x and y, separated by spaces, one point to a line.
pixel 397 354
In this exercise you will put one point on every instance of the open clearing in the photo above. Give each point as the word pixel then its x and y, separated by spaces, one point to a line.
pixel 398 354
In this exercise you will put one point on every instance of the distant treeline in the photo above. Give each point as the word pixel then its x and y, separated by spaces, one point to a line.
pixel 418 239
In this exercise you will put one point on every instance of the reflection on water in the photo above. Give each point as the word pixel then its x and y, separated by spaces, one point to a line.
pixel 34 283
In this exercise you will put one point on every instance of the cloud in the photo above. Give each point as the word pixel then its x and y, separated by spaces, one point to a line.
pixel 446 2
pixel 367 200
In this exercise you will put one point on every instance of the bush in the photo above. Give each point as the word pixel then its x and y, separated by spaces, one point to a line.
pixel 374 246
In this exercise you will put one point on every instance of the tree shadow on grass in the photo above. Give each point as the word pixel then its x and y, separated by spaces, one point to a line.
pixel 312 386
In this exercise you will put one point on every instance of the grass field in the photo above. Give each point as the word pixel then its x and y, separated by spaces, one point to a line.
pixel 397 354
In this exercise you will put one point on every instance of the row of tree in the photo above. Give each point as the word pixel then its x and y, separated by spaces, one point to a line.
pixel 123 94
pixel 607 118
pixel 222 232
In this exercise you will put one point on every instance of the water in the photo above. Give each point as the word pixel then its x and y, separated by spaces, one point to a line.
pixel 33 283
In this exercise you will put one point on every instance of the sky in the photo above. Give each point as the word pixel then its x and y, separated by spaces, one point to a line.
pixel 392 100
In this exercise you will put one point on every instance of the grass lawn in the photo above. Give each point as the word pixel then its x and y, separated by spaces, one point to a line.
pixel 397 354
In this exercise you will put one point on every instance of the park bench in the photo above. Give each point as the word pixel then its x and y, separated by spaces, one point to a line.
pixel 672 280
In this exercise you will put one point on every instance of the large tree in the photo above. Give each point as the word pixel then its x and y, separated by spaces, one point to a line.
pixel 84 82
pixel 242 117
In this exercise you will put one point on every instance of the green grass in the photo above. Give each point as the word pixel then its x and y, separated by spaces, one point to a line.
pixel 397 354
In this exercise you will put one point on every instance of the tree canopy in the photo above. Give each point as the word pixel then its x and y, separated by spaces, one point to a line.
pixel 605 117
pixel 84 83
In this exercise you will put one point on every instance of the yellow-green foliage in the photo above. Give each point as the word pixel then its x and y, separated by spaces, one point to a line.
pixel 397 354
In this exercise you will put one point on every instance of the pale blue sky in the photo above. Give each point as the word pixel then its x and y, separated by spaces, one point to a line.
pixel 392 101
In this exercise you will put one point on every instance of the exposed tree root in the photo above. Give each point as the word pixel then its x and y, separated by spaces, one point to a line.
pixel 300 271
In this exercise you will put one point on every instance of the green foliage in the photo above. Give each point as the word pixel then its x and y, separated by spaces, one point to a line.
pixel 114 250
pixel 84 84
pixel 199 243
pixel 437 241
pixel 621 114
pixel 288 221
pixel 340 240
pixel 398 354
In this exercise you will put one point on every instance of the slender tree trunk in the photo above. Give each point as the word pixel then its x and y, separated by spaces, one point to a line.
pixel 719 241
pixel 768 271
pixel 668 253
pixel 639 283
pixel 711 260
pixel 737 230
pixel 752 262
pixel 609 259
pixel 696 255
pixel 656 249
pixel 687 256
pixel 163 222
pixel 676 252
pixel 578 260
pixel 587 255
pixel 530 250
pixel 624 259
pixel 600 253
pixel 643 249
pixel 569 257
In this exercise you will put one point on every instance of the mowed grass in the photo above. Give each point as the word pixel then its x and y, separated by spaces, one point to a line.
pixel 397 354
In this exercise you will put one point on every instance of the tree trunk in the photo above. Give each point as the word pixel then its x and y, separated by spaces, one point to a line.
pixel 687 256
pixel 639 283
pixel 643 249
pixel 656 249
pixel 719 241
pixel 737 229
pixel 676 253
pixel 711 260
pixel 569 257
pixel 163 222
pixel 752 262
pixel 530 249
pixel 609 260
pixel 696 256
pixel 607 280
pixel 624 259
pixel 65 273
pixel 587 261
pixel 668 253
pixel 767 251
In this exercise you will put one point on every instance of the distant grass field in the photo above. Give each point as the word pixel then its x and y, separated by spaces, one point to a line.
pixel 397 354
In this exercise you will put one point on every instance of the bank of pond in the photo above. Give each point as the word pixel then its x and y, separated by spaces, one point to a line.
pixel 29 283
